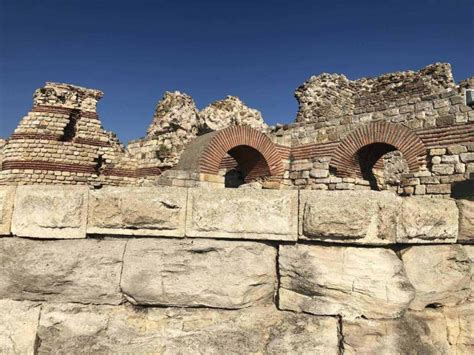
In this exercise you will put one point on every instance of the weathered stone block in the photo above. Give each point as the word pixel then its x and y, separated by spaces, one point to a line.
pixel 438 189
pixel 440 274
pixel 85 271
pixel 443 169
pixel 18 325
pixel 457 149
pixel 467 157
pixel 258 330
pixel 7 195
pixel 351 282
pixel 460 328
pixel 137 211
pixel 415 333
pixel 189 273
pixel 430 219
pixel 319 173
pixel 365 217
pixel 437 151
pixel 50 211
pixel 466 220
pixel 243 214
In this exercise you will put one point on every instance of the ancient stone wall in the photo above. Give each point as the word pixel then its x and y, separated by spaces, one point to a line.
pixel 332 108
pixel 409 132
pixel 177 270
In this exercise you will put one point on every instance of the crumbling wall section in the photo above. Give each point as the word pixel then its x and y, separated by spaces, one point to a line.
pixel 427 102
pixel 61 141
pixel 177 122
pixel 173 270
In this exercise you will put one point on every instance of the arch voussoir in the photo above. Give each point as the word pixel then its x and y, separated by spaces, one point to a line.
pixel 345 160
pixel 216 145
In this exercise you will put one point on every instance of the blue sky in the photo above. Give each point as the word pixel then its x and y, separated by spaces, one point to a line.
pixel 260 51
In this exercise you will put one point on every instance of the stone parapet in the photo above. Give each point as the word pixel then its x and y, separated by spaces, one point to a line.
pixel 354 217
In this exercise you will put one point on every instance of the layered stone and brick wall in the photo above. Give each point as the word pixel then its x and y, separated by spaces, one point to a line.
pixel 408 132
pixel 178 270
pixel 332 108
pixel 61 141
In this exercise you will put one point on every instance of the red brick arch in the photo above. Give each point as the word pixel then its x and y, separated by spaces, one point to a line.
pixel 229 139
pixel 253 151
pixel 345 157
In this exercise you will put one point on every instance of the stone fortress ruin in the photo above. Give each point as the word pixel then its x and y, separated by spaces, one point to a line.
pixel 408 131
pixel 351 232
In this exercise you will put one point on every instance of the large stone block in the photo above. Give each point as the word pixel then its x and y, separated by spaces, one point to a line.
pixel 71 329
pixel 189 273
pixel 365 217
pixel 7 195
pixel 415 333
pixel 137 211
pixel 351 282
pixel 50 211
pixel 440 274
pixel 466 220
pixel 242 214
pixel 469 249
pixel 86 271
pixel 460 326
pixel 18 325
pixel 427 219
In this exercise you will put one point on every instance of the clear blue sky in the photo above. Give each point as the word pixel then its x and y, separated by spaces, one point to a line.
pixel 258 50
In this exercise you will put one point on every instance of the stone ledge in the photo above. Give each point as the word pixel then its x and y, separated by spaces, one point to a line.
pixel 50 212
pixel 376 218
pixel 242 214
pixel 346 217
pixel 367 217
pixel 142 211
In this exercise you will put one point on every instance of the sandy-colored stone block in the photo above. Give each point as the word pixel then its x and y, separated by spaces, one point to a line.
pixel 415 333
pixel 145 211
pixel 242 214
pixel 466 220
pixel 347 281
pixel 18 326
pixel 86 271
pixel 199 272
pixel 469 249
pixel 460 328
pixel 440 274
pixel 427 219
pixel 7 196
pixel 73 328
pixel 362 217
pixel 50 212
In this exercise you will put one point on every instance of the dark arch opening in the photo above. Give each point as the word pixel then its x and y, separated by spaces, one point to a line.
pixel 463 189
pixel 250 165
pixel 368 158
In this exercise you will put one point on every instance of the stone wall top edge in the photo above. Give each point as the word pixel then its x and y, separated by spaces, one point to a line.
pixel 211 191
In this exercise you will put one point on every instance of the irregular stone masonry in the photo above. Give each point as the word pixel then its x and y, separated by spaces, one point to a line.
pixel 176 270
pixel 343 140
